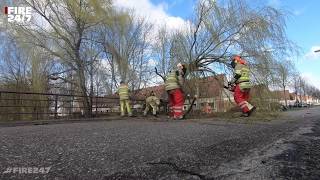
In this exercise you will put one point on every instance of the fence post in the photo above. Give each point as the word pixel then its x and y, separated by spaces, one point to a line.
pixel 71 109
pixel 91 106
pixel 56 107
pixel 96 105
pixel 35 112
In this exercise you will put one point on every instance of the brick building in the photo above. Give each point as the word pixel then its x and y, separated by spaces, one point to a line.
pixel 210 91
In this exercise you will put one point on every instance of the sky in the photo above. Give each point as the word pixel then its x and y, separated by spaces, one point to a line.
pixel 303 25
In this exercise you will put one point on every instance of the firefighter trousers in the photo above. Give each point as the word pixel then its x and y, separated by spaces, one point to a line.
pixel 154 108
pixel 176 102
pixel 241 97
pixel 125 105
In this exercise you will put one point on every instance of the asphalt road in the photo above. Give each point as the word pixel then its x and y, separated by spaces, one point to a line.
pixel 286 148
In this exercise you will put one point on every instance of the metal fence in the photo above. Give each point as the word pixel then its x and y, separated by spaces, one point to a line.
pixel 34 106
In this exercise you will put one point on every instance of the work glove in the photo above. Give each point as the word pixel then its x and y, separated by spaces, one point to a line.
pixel 231 86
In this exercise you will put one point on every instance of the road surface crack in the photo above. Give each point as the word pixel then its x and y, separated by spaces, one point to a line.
pixel 178 169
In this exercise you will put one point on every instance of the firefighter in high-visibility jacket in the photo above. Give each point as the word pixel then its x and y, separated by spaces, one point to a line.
pixel 173 85
pixel 153 102
pixel 242 85
pixel 123 92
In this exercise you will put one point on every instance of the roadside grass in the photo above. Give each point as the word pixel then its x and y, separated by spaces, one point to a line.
pixel 234 116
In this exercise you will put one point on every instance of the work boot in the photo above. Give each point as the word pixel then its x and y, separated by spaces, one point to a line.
pixel 251 111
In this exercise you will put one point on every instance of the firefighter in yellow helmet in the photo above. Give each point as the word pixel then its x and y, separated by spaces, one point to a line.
pixel 153 102
pixel 242 85
pixel 123 92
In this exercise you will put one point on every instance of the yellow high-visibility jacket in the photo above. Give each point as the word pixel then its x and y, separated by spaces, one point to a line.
pixel 123 92
pixel 243 71
pixel 172 81
pixel 153 101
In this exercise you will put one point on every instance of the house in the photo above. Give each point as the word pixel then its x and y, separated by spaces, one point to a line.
pixel 105 104
pixel 283 96
pixel 110 103
pixel 159 91
pixel 210 90
pixel 293 98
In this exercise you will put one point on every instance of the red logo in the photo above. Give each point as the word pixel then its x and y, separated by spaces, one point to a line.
pixel 6 10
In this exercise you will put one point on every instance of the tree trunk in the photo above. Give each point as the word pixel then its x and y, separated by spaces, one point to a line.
pixel 285 97
pixel 86 101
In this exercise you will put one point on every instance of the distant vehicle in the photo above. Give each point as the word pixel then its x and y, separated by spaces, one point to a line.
pixel 304 105
pixel 299 104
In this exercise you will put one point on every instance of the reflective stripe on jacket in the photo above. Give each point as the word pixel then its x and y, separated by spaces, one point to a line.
pixel 243 71
pixel 245 85
pixel 123 92
pixel 171 81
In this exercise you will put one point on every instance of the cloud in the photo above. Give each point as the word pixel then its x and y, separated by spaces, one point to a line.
pixel 155 13
pixel 312 55
pixel 311 78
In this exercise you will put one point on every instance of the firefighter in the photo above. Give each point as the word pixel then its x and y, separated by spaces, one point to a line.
pixel 242 85
pixel 173 85
pixel 123 92
pixel 153 102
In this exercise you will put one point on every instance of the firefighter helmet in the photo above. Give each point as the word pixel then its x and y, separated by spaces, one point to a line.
pixel 238 59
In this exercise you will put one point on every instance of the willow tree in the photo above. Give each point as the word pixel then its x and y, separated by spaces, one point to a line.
pixel 168 49
pixel 62 28
pixel 219 30
pixel 126 43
